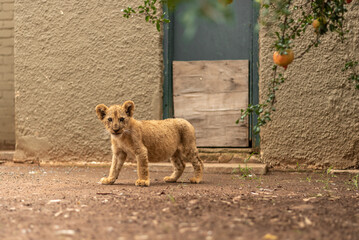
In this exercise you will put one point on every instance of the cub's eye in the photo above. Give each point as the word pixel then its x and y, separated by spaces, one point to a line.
pixel 109 119
pixel 122 119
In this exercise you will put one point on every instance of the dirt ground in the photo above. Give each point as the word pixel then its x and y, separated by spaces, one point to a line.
pixel 68 203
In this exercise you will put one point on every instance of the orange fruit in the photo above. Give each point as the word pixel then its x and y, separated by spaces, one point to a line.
pixel 316 24
pixel 283 59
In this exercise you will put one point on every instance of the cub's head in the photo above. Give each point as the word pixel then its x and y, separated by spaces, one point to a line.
pixel 116 117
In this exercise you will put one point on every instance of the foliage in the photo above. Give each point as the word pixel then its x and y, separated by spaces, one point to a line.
pixel 309 179
pixel 354 180
pixel 326 177
pixel 149 9
pixel 245 172
pixel 354 76
pixel 290 20
pixel 298 167
pixel 211 10
pixel 171 198
pixel 263 110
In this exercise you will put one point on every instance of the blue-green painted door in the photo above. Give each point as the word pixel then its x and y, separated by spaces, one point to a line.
pixel 236 40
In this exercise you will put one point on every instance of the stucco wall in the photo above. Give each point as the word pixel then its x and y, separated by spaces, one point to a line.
pixel 72 55
pixel 317 118
pixel 69 57
pixel 7 112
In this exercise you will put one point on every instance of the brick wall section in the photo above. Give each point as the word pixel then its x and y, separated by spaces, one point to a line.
pixel 7 108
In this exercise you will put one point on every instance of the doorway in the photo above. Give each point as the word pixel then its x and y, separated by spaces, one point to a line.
pixel 210 77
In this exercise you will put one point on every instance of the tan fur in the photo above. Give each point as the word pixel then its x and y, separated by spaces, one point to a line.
pixel 148 141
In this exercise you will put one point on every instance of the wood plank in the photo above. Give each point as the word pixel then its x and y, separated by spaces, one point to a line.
pixel 210 94
pixel 210 76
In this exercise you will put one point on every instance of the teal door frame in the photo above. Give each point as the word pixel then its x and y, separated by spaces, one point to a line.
pixel 168 111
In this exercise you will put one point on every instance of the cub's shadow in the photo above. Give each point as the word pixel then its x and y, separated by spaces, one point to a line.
pixel 157 183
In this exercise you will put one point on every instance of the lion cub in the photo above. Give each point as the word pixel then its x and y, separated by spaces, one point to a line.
pixel 148 141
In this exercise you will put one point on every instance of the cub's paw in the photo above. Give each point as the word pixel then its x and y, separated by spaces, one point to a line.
pixel 195 180
pixel 169 179
pixel 142 183
pixel 107 181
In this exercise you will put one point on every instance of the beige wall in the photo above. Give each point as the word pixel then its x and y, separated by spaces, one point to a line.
pixel 317 117
pixel 7 113
pixel 71 56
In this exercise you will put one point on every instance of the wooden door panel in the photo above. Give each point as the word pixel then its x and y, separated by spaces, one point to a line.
pixel 210 94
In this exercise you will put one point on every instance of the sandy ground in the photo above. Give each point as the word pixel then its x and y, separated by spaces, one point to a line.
pixel 68 203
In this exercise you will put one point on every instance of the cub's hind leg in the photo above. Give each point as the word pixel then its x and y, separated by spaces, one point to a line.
pixel 190 151
pixel 197 164
pixel 178 167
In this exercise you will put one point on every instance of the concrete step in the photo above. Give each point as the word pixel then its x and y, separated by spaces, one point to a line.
pixel 348 171
pixel 6 156
pixel 228 155
pixel 222 168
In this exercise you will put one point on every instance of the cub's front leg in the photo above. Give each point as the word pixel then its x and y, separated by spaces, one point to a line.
pixel 118 158
pixel 142 169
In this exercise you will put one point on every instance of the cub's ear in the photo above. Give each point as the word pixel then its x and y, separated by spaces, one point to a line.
pixel 129 107
pixel 101 110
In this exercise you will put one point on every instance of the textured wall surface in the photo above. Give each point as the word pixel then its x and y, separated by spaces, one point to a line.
pixel 317 117
pixel 7 96
pixel 69 57
pixel 72 55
